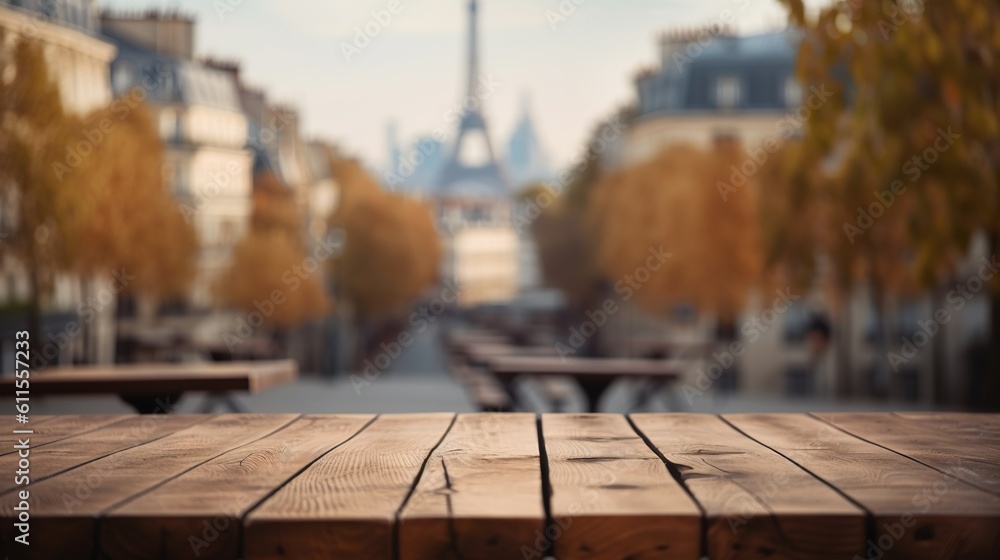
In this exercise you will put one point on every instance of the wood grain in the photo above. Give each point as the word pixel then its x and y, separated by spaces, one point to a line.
pixel 972 460
pixel 70 504
pixel 416 486
pixel 8 424
pixel 73 451
pixel 613 497
pixel 917 511
pixel 480 495
pixel 198 514
pixel 57 428
pixel 757 503
pixel 344 505
pixel 969 426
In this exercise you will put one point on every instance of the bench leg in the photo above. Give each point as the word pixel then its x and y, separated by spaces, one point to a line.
pixel 152 404
pixel 227 401
pixel 594 390
pixel 674 401
pixel 644 394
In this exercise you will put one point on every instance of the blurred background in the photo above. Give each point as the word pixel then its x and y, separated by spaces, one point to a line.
pixel 795 203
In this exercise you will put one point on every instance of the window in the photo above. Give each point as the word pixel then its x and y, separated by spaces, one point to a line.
pixel 123 77
pixel 793 92
pixel 227 233
pixel 727 91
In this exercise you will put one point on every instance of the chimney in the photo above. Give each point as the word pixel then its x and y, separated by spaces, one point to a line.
pixel 676 43
pixel 170 33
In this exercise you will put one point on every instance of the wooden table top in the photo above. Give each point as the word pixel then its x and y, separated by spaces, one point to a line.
pixel 485 486
pixel 481 353
pixel 589 368
pixel 159 378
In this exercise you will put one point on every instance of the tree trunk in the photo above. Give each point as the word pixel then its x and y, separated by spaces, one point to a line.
pixel 88 355
pixel 990 396
pixel 845 369
pixel 35 313
pixel 884 343
pixel 939 349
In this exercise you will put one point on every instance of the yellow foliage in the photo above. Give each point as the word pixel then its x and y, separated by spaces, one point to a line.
pixel 270 263
pixel 392 252
pixel 89 191
pixel 674 202
pixel 133 222
pixel 270 266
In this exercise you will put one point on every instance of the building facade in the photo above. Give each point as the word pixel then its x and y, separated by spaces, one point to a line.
pixel 78 59
pixel 726 87
pixel 711 85
pixel 208 165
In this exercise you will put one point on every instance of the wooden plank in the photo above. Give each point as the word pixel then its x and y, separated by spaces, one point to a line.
pixel 56 429
pixel 970 459
pixel 8 424
pixel 585 368
pixel 757 503
pixel 344 505
pixel 918 512
pixel 972 426
pixel 69 504
pixel 480 495
pixel 198 514
pixel 480 354
pixel 73 451
pixel 613 497
pixel 160 378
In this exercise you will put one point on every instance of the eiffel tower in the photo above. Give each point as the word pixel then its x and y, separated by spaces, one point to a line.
pixel 458 178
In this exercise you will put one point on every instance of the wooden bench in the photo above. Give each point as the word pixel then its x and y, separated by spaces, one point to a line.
pixel 554 389
pixel 593 375
pixel 482 388
pixel 156 388
pixel 499 486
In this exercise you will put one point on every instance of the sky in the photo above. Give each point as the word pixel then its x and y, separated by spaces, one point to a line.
pixel 572 60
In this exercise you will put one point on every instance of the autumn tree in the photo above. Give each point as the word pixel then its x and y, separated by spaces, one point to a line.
pixel 672 204
pixel 84 195
pixel 133 223
pixel 270 271
pixel 392 254
pixel 40 207
pixel 565 245
pixel 919 105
